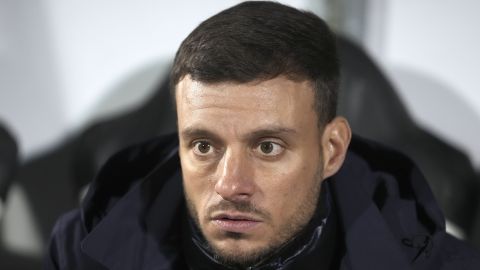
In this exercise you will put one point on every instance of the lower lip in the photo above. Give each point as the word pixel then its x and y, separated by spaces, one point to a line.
pixel 237 226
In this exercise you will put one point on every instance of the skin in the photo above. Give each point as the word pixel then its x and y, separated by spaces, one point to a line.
pixel 253 159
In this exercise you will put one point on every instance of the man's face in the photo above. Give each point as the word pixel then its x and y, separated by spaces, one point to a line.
pixel 251 163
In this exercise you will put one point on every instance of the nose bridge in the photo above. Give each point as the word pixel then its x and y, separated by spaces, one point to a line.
pixel 234 176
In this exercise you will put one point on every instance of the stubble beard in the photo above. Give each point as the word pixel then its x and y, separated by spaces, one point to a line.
pixel 239 259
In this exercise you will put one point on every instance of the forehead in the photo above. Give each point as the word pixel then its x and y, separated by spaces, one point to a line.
pixel 278 101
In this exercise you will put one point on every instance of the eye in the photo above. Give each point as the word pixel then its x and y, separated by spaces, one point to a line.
pixel 202 148
pixel 269 148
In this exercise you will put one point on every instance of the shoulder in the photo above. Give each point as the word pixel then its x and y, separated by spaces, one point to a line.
pixel 65 240
pixel 458 255
pixel 65 248
pixel 113 182
pixel 68 223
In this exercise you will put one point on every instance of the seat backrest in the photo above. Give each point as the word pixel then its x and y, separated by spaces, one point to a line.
pixel 370 103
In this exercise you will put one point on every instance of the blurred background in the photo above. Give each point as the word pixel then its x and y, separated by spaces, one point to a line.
pixel 80 80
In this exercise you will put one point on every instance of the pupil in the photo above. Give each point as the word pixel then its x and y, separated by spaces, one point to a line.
pixel 267 147
pixel 204 147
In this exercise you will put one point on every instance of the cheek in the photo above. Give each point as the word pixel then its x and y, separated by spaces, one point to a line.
pixel 287 186
pixel 198 185
pixel 290 174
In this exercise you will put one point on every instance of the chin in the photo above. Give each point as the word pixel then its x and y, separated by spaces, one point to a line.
pixel 236 251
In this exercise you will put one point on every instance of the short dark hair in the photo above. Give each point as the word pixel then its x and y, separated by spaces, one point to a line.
pixel 260 40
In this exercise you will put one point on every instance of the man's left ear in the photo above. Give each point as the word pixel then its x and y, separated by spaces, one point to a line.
pixel 335 140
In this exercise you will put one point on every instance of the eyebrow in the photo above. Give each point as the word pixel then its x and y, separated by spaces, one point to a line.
pixel 269 131
pixel 193 132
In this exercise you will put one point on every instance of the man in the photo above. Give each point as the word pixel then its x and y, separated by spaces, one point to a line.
pixel 263 175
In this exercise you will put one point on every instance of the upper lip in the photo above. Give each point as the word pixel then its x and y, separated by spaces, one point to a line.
pixel 235 216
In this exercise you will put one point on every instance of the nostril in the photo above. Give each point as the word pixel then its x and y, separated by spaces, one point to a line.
pixel 234 192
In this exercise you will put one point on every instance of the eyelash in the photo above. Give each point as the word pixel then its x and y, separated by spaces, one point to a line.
pixel 195 145
pixel 277 147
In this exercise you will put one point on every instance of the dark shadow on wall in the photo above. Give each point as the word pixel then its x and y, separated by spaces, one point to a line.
pixel 8 167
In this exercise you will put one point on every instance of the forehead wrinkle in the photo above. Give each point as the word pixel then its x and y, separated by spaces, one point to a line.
pixel 255 95
pixel 228 108
pixel 225 89
pixel 198 101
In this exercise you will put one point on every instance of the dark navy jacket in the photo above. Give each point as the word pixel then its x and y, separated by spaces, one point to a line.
pixel 130 218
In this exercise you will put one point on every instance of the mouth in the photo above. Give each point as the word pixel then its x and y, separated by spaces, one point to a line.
pixel 234 222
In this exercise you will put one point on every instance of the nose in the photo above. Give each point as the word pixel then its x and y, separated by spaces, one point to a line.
pixel 235 178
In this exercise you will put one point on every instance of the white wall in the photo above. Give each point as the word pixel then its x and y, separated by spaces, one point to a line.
pixel 31 100
pixel 430 50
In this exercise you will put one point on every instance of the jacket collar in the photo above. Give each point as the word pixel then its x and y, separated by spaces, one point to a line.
pixel 388 215
pixel 369 242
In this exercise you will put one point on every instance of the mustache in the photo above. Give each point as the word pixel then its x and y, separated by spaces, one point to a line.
pixel 244 207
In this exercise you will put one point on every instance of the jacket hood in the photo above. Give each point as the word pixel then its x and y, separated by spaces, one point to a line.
pixel 384 206
pixel 125 171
